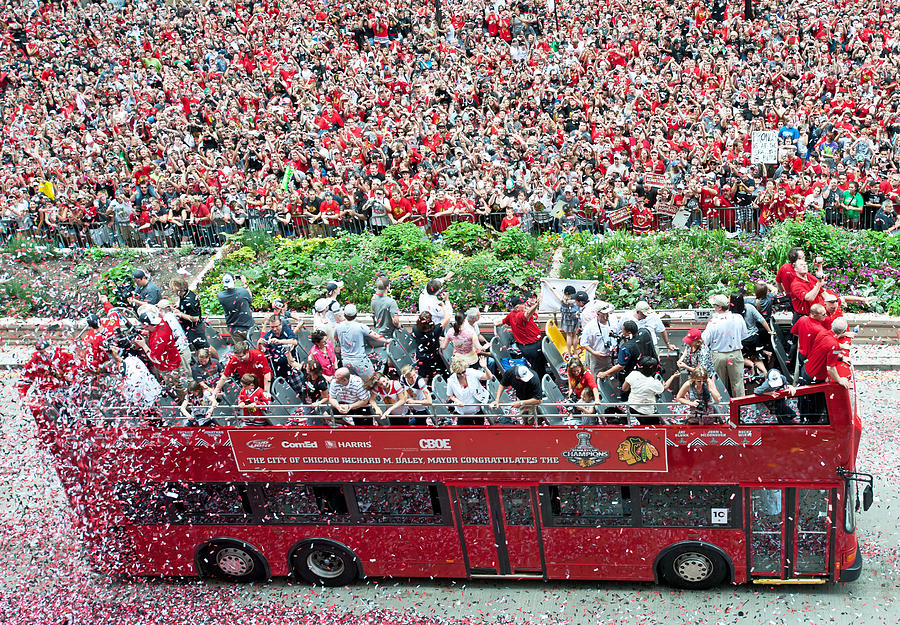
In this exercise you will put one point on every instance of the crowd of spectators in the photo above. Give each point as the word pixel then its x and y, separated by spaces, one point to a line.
pixel 135 122
pixel 331 369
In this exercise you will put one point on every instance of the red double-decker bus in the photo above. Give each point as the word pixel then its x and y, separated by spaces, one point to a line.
pixel 694 506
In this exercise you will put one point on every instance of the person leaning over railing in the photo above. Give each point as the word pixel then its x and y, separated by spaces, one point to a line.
pixel 246 360
pixel 349 399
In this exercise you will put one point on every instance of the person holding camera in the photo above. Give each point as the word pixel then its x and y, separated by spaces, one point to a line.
pixel 806 288
pixel 145 290
pixel 643 389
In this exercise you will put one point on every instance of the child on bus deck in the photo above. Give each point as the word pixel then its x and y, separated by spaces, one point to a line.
pixel 197 406
pixel 253 400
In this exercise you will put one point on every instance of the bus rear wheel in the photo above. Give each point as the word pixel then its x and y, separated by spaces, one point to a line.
pixel 324 563
pixel 231 560
pixel 693 567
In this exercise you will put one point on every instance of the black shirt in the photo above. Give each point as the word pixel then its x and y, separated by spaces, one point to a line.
pixel 189 305
pixel 524 390
pixel 313 389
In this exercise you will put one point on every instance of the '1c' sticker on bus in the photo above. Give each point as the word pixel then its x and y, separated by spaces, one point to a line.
pixel 719 516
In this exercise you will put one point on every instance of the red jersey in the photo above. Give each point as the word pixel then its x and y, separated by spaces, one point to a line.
pixel 524 331
pixel 164 353
pixel 785 276
pixel 799 288
pixel 806 330
pixel 256 363
pixel 825 352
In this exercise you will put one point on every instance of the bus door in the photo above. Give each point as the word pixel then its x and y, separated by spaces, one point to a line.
pixel 498 527
pixel 790 533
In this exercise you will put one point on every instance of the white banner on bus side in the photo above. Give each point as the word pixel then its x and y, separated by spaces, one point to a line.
pixel 549 300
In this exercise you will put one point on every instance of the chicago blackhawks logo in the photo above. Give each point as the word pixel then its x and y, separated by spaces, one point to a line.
pixel 634 450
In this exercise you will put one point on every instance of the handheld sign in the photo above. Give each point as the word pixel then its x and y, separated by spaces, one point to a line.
pixel 764 147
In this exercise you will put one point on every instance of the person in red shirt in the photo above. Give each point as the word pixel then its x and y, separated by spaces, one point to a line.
pixel 806 290
pixel 825 356
pixel 510 221
pixel 48 369
pixel 246 360
pixel 253 400
pixel 162 351
pixel 786 273
pixel 824 362
pixel 808 327
pixel 525 331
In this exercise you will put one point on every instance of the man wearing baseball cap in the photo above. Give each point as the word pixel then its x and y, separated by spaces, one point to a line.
pixel 236 303
pixel 723 335
pixel 527 387
pixel 596 336
pixel 145 290
pixel 162 350
pixel 647 318
pixel 350 341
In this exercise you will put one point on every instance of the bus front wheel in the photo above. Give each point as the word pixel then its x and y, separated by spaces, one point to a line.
pixel 231 560
pixel 693 567
pixel 324 563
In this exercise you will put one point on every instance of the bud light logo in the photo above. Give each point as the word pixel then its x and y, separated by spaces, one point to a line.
pixel 260 443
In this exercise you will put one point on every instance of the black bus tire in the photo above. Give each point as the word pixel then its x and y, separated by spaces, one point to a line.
pixel 324 563
pixel 231 560
pixel 693 567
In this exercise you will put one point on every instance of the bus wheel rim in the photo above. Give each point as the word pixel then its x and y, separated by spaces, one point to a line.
pixel 232 561
pixel 693 567
pixel 325 564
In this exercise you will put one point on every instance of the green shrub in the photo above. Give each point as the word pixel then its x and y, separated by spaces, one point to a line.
pixel 515 243
pixel 464 237
pixel 406 242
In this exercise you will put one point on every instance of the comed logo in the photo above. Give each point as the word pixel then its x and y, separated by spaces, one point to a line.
pixel 434 443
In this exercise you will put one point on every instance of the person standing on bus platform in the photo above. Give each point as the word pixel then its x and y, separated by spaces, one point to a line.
pixel 162 350
pixel 145 289
pixel 253 400
pixel 236 304
pixel 724 335
pixel 246 360
pixel 349 399
pixel 806 288
pixel 596 335
pixel 786 274
pixel 525 331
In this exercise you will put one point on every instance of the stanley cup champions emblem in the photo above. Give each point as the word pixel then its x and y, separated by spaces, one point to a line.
pixel 584 454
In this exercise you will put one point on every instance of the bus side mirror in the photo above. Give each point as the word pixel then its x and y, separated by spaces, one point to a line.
pixel 868 496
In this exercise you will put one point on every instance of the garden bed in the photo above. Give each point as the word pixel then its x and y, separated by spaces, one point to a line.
pixel 677 269
pixel 42 281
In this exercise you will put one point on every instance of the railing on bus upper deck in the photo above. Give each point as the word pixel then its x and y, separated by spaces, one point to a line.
pixel 309 415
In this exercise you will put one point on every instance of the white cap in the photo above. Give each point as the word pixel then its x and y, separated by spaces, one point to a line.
pixel 524 373
pixel 228 281
pixel 350 310
pixel 321 304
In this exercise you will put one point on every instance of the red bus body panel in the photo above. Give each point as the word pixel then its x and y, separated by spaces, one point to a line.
pixel 91 461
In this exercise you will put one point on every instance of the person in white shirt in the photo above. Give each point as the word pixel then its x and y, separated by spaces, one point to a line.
pixel 644 316
pixel 597 339
pixel 429 299
pixel 723 335
pixel 643 389
pixel 466 390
